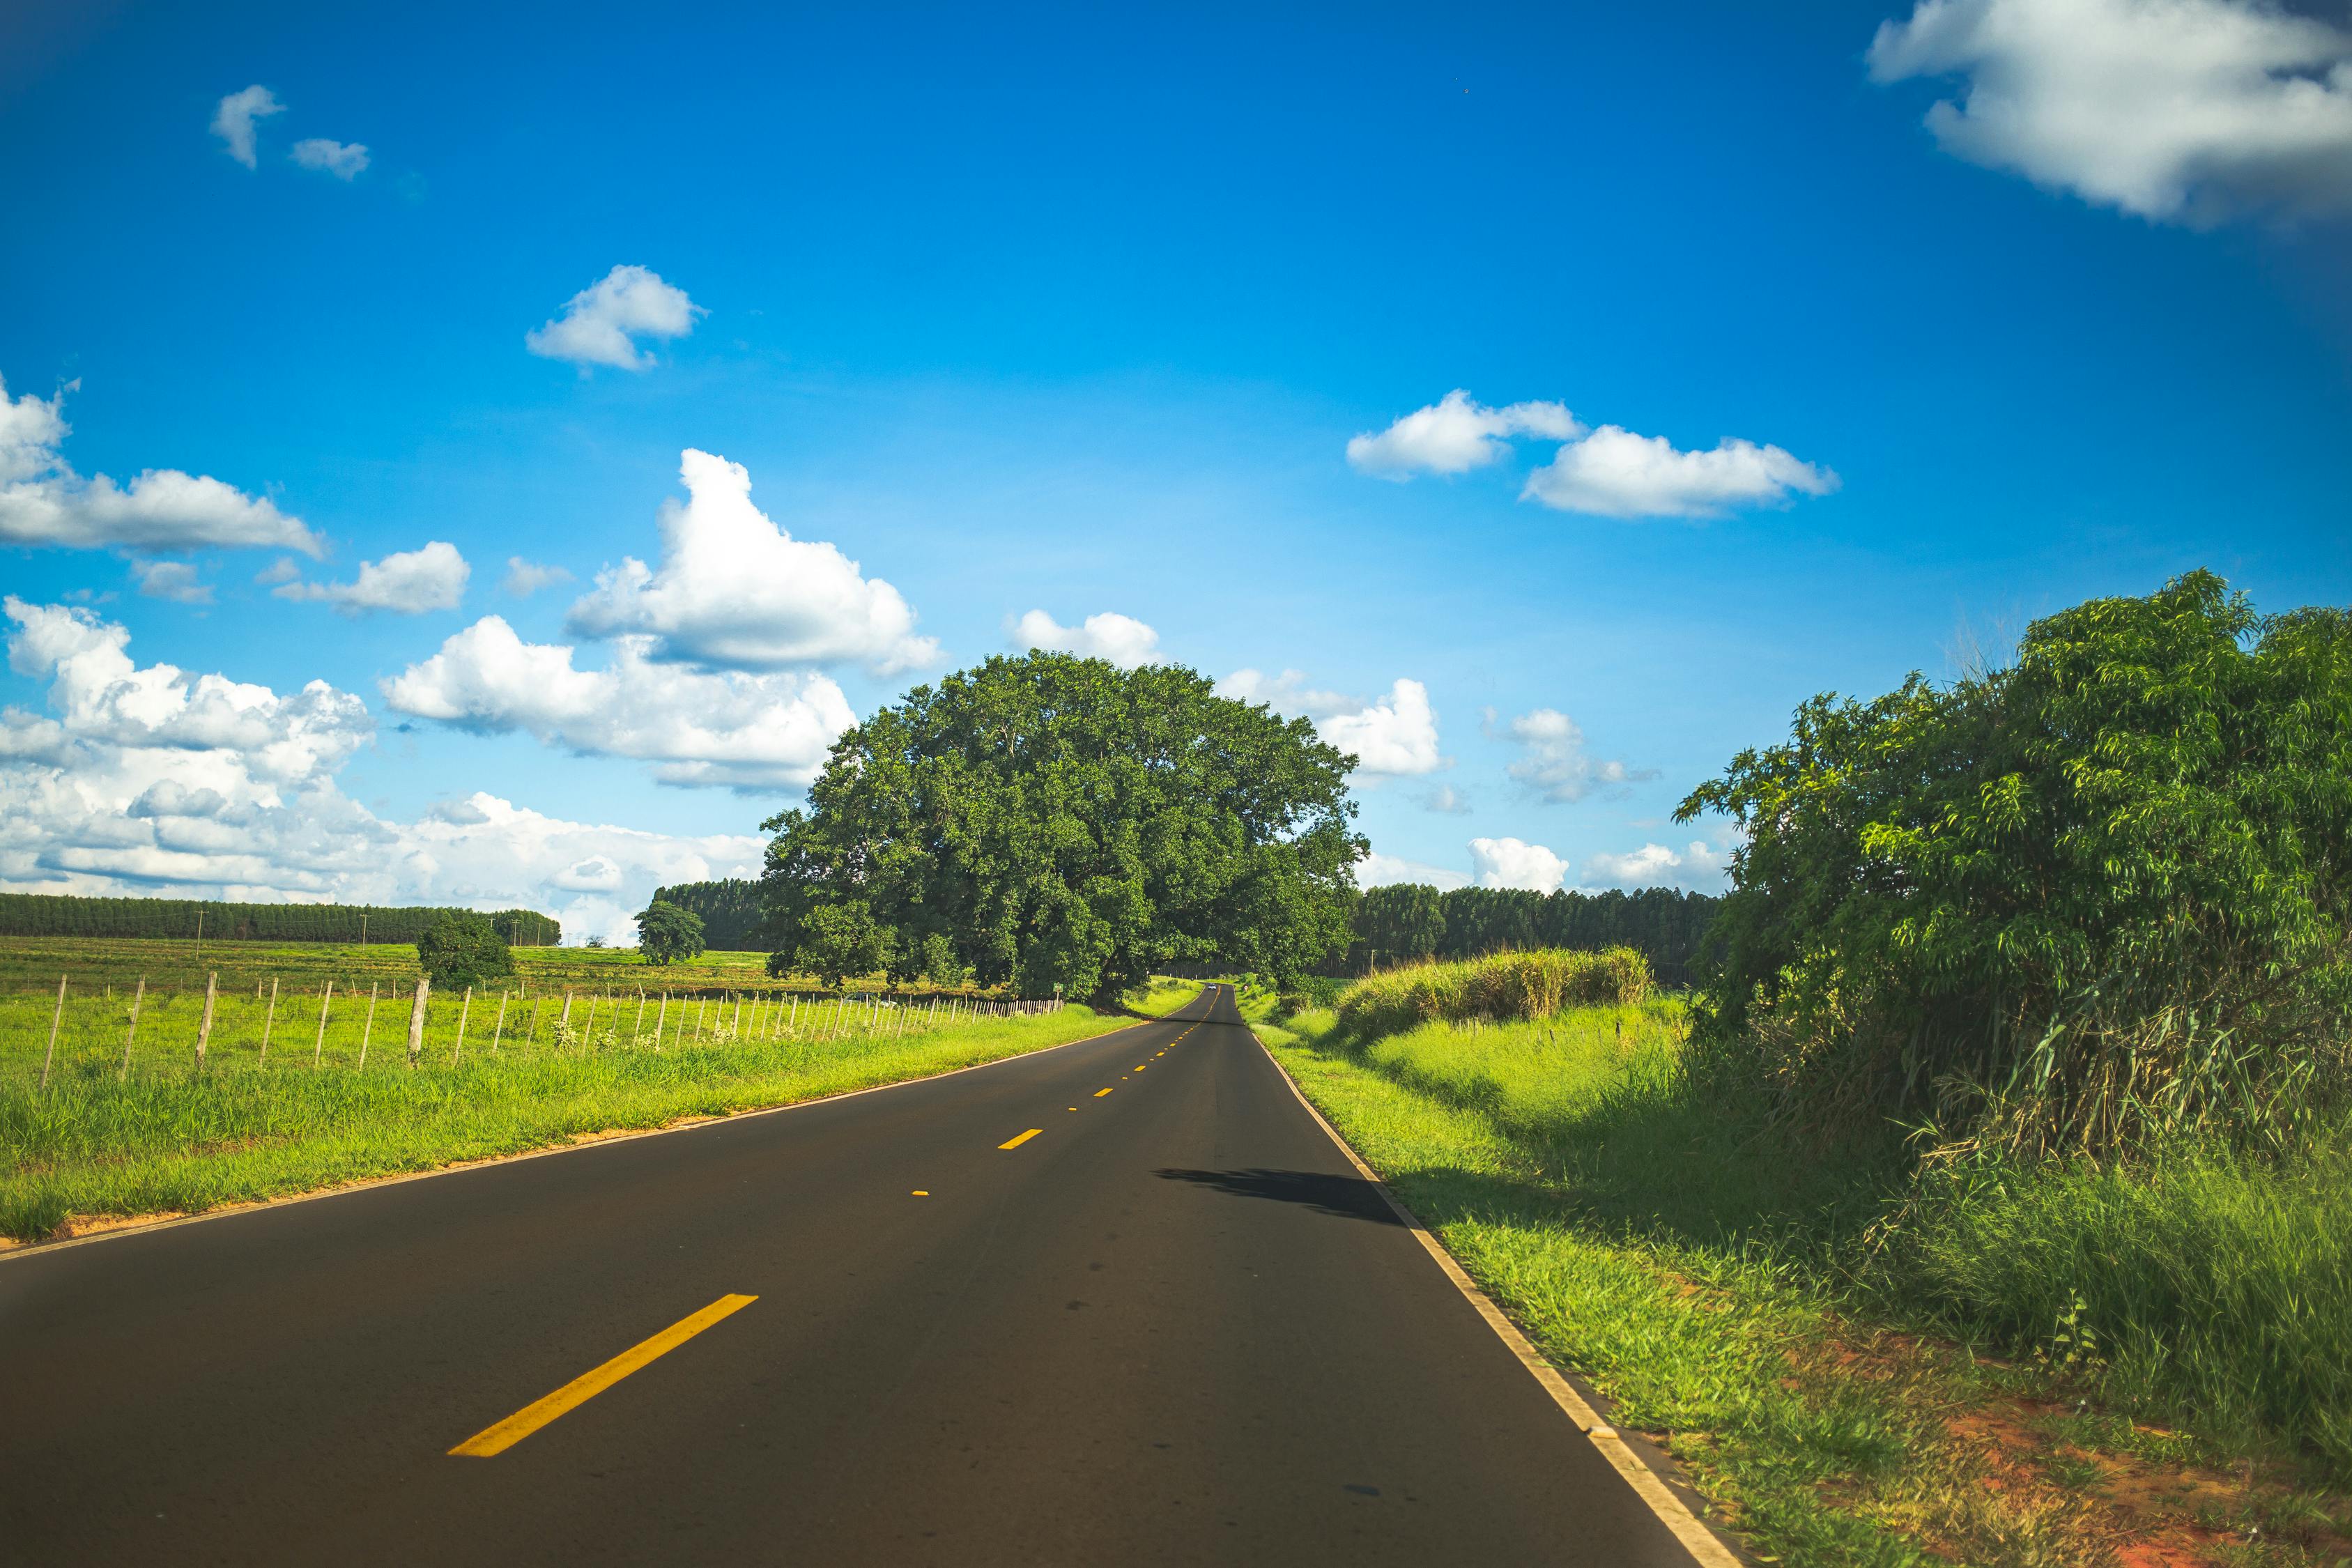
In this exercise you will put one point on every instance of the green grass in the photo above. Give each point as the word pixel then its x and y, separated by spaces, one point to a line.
pixel 168 1137
pixel 1163 995
pixel 1716 1281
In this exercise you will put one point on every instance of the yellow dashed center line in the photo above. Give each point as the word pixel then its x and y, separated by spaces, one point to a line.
pixel 1016 1143
pixel 498 1439
pixel 920 1192
pixel 1100 1092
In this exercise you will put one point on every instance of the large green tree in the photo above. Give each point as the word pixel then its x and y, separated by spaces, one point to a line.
pixel 1049 822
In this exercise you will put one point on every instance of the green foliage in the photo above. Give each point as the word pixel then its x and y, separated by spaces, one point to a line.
pixel 730 911
pixel 2095 897
pixel 1406 922
pixel 1059 822
pixel 1502 985
pixel 461 948
pixel 47 914
pixel 666 933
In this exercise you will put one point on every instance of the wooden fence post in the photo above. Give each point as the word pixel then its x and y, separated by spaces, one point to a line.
pixel 204 1029
pixel 416 1020
pixel 268 1023
pixel 137 997
pixel 463 1013
pixel 501 1028
pixel 55 1018
pixel 369 1027
pixel 318 1046
pixel 638 1027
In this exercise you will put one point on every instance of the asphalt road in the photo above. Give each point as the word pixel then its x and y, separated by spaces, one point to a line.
pixel 1174 1326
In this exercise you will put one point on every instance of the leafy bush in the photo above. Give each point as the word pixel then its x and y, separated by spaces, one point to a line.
pixel 2092 897
pixel 1498 986
pixel 666 933
pixel 461 948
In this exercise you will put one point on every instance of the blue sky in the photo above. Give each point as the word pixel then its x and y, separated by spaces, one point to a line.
pixel 1078 311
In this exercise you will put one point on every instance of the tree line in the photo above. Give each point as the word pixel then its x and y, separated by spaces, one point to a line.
pixel 730 912
pixel 1408 921
pixel 60 914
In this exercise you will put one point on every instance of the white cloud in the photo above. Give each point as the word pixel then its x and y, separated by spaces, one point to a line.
pixel 746 731
pixel 599 325
pixel 1122 639
pixel 1446 800
pixel 1455 434
pixel 174 580
pixel 1378 871
pixel 525 578
pixel 2185 109
pixel 1611 472
pixel 344 160
pixel 1553 763
pixel 43 501
pixel 154 780
pixel 407 583
pixel 233 120
pixel 736 591
pixel 1393 736
pixel 1615 473
pixel 1514 863
pixel 1697 866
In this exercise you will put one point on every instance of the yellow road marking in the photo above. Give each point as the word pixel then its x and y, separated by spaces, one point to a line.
pixel 1016 1143
pixel 1100 1092
pixel 920 1192
pixel 498 1439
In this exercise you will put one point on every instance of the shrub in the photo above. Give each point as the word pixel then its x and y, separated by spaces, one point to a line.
pixel 1501 986
pixel 463 949
pixel 2093 898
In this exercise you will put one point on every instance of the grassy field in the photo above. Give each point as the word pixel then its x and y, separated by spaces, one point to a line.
pixel 2027 1367
pixel 309 1089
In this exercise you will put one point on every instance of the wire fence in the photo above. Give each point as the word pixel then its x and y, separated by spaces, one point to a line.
pixel 374 1026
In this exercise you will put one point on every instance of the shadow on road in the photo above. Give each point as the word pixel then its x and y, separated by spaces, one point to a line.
pixel 1349 1198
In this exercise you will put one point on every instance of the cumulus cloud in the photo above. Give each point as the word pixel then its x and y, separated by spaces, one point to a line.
pixel 525 578
pixel 149 778
pixel 344 160
pixel 233 120
pixel 1122 639
pixel 1392 736
pixel 174 580
pixel 407 583
pixel 1698 866
pixel 1615 473
pixel 736 591
pixel 2173 109
pixel 1553 763
pixel 601 325
pixel 1455 434
pixel 1609 472
pixel 1514 863
pixel 1378 871
pixel 43 501
pixel 745 732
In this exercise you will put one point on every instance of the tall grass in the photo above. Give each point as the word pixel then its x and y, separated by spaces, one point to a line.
pixel 2201 1285
pixel 1503 985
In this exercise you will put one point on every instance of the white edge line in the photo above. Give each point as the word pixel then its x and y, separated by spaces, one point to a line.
pixel 370 1183
pixel 1695 1538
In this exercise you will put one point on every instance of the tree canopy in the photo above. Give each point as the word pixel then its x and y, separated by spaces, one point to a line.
pixel 1048 821
pixel 461 948
pixel 2098 893
pixel 667 934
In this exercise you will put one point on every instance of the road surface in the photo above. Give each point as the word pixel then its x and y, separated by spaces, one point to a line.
pixel 1167 1324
